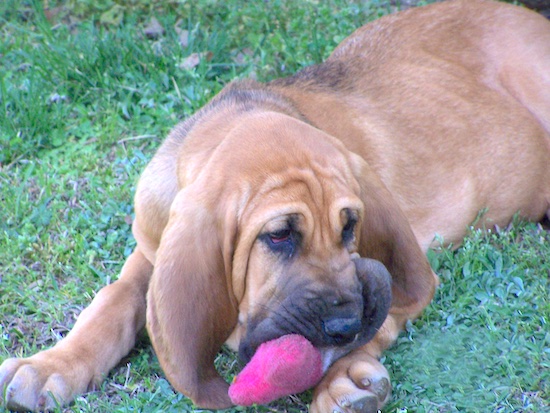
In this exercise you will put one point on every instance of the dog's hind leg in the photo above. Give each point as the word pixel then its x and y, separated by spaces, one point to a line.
pixel 521 57
pixel 103 334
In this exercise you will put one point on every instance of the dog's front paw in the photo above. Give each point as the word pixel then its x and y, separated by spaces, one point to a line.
pixel 34 384
pixel 355 384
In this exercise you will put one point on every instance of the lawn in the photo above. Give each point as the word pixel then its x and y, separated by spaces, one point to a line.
pixel 88 91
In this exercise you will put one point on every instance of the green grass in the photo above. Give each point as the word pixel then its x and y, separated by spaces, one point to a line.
pixel 484 343
pixel 85 98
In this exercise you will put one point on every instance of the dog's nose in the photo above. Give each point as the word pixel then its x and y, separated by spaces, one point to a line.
pixel 342 329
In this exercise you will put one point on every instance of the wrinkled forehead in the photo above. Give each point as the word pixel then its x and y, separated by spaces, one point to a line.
pixel 316 208
pixel 314 200
pixel 268 144
pixel 281 161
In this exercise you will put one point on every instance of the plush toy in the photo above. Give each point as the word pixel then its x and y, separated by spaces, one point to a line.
pixel 287 365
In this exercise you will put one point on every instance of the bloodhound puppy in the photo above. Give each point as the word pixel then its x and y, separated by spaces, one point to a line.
pixel 270 210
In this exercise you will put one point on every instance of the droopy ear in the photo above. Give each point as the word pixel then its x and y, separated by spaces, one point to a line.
pixel 190 309
pixel 387 236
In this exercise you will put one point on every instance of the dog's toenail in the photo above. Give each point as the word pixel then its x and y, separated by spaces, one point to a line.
pixel 366 383
pixel 41 402
pixel 365 404
pixel 382 388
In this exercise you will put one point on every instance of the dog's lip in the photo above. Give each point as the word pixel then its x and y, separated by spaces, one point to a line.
pixel 354 255
pixel 330 354
pixel 327 358
pixel 325 350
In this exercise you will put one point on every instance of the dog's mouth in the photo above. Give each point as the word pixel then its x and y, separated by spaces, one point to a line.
pixel 356 323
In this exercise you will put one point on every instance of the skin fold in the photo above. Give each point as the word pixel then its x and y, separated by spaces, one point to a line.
pixel 295 206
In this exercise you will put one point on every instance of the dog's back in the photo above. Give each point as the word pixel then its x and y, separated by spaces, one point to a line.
pixel 452 105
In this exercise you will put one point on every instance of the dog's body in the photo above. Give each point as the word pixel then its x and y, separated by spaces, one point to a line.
pixel 250 215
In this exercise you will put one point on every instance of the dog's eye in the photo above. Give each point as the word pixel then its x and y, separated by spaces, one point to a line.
pixel 280 236
pixel 284 241
pixel 347 231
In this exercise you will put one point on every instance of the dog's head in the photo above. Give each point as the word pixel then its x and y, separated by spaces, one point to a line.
pixel 266 242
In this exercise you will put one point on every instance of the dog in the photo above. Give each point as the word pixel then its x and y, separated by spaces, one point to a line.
pixel 306 205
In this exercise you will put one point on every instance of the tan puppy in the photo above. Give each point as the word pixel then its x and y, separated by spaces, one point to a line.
pixel 250 215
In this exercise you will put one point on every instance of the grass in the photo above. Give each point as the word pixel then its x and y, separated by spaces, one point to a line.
pixel 86 97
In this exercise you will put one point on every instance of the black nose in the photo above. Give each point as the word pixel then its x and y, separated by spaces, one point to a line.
pixel 343 330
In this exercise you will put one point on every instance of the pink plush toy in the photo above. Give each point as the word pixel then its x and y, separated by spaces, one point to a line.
pixel 286 365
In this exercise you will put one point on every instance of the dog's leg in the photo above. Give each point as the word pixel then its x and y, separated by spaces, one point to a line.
pixel 103 334
pixel 358 382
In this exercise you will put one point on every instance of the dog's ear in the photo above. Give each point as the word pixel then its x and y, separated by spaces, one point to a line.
pixel 190 307
pixel 387 236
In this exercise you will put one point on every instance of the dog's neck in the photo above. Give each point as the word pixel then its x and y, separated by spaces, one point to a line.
pixel 246 95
